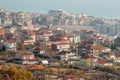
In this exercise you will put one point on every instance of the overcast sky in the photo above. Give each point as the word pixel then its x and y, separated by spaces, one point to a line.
pixel 97 8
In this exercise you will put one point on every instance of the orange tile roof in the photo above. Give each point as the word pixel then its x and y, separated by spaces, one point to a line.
pixel 36 67
pixel 46 32
pixel 23 52
pixel 31 32
pixel 30 60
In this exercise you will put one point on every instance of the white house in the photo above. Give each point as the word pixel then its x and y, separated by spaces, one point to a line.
pixel 10 44
pixel 60 46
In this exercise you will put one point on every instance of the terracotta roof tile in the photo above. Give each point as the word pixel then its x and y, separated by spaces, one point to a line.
pixel 70 76
pixel 31 32
pixel 30 60
pixel 97 47
pixel 36 67
pixel 25 52
pixel 1 31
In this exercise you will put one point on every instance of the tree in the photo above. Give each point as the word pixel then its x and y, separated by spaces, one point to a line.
pixel 19 46
pixel 113 46
pixel 3 48
pixel 72 49
pixel 13 73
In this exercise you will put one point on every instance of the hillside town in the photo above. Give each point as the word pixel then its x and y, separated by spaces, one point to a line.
pixel 59 46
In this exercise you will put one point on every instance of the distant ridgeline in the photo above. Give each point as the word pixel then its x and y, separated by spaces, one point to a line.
pixel 60 18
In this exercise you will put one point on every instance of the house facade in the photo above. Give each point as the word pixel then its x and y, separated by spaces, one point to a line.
pixel 26 57
pixel 60 46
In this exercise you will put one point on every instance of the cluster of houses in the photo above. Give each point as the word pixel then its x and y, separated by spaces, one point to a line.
pixel 33 43
pixel 74 48
pixel 14 37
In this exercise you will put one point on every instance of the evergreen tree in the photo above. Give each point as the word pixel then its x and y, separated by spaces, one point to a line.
pixel 3 48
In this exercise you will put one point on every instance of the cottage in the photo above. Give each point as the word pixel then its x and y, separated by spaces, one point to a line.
pixel 10 44
pixel 26 57
pixel 29 37
pixel 104 62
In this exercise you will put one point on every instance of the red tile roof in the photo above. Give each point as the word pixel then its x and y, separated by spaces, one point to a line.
pixel 59 44
pixel 91 56
pixel 11 40
pixel 23 52
pixel 102 61
pixel 1 31
pixel 70 76
pixel 97 47
pixel 111 53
